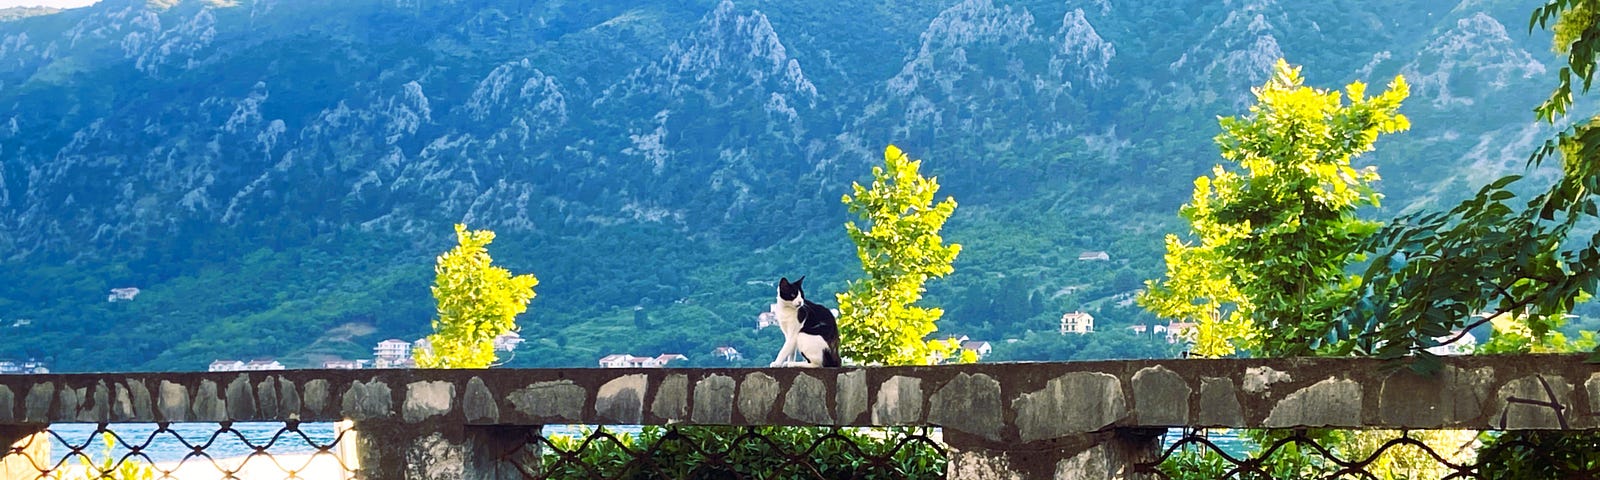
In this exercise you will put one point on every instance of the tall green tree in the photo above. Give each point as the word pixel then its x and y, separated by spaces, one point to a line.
pixel 1273 239
pixel 477 302
pixel 1434 272
pixel 900 248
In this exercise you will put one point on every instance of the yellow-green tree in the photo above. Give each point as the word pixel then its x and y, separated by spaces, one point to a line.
pixel 900 248
pixel 1274 240
pixel 477 301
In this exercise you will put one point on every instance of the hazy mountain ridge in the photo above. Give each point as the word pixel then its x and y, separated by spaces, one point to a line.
pixel 140 134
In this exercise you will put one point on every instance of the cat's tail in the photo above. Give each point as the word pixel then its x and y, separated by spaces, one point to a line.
pixel 830 358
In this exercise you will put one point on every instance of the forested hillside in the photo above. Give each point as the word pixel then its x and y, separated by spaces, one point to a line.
pixel 276 177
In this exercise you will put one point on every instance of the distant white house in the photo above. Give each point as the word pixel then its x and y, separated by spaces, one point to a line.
pixel 27 367
pixel 342 364
pixel 507 342
pixel 766 319
pixel 1094 256
pixel 727 353
pixel 260 365
pixel 1077 322
pixel 226 366
pixel 624 360
pixel 978 347
pixel 392 348
pixel 122 294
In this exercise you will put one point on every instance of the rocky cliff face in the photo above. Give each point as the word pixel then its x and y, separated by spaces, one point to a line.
pixel 734 124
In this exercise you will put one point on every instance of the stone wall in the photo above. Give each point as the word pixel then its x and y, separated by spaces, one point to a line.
pixel 1002 402
pixel 1083 412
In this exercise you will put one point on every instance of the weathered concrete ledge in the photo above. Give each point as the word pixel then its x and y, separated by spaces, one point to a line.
pixel 1017 402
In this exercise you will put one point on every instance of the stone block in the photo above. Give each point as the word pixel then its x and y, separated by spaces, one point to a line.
pixel 427 399
pixel 143 407
pixel 1534 402
pixel 1219 403
pixel 8 405
pixel 622 399
pixel 288 399
pixel 479 404
pixel 316 397
pixel 713 400
pixel 851 396
pixel 1329 403
pixel 756 395
pixel 969 403
pixel 122 407
pixel 366 401
pixel 1449 398
pixel 172 402
pixel 899 402
pixel 99 407
pixel 267 400
pixel 67 403
pixel 1160 397
pixel 208 407
pixel 1257 380
pixel 40 396
pixel 672 398
pixel 1071 404
pixel 807 401
pixel 552 400
pixel 241 398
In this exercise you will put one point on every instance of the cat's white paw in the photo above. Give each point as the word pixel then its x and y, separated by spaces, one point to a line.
pixel 777 363
pixel 802 365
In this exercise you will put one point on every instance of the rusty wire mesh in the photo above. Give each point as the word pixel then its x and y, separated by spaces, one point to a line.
pixel 736 452
pixel 172 451
pixel 1350 454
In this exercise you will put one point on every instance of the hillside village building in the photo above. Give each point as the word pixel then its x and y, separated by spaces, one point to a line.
pixel 1077 322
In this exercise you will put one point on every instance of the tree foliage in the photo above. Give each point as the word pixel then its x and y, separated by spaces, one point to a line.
pixel 1437 271
pixel 477 302
pixel 1273 240
pixel 900 248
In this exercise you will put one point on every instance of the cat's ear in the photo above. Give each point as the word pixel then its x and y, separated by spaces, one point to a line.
pixel 797 282
pixel 784 281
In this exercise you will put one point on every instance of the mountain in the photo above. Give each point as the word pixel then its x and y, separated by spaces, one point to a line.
pixel 277 176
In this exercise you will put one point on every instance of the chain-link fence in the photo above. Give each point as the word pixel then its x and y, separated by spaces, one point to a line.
pixel 181 451
pixel 1377 454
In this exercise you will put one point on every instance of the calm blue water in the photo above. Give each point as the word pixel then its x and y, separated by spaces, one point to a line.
pixel 167 446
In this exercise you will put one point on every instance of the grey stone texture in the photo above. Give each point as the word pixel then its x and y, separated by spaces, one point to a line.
pixel 672 399
pixel 969 403
pixel 1163 396
pixel 316 398
pixel 1219 403
pixel 367 401
pixel 850 396
pixel 143 407
pixel 173 402
pixel 807 401
pixel 1328 403
pixel 1534 402
pixel 558 400
pixel 1428 401
pixel 427 399
pixel 713 400
pixel 1074 403
pixel 241 398
pixel 757 393
pixel 38 402
pixel 622 399
pixel 208 407
pixel 479 404
pixel 899 402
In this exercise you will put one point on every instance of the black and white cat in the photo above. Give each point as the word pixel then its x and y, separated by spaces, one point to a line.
pixel 807 327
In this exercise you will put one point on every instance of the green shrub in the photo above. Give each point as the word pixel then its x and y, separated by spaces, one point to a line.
pixel 746 452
